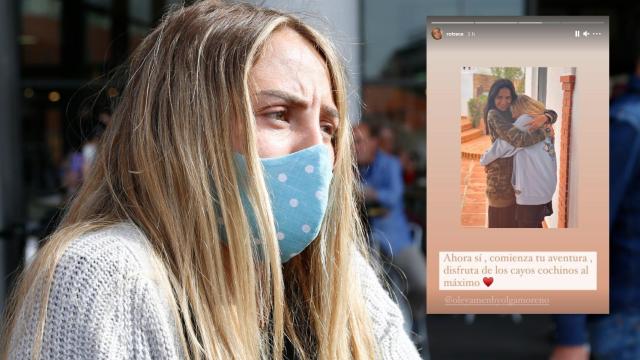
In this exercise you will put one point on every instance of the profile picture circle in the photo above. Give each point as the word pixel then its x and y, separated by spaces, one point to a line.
pixel 436 33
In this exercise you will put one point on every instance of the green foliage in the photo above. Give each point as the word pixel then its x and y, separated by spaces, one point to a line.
pixel 515 74
pixel 511 73
pixel 476 108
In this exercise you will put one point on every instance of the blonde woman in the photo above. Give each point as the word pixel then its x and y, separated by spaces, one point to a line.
pixel 233 120
pixel 534 176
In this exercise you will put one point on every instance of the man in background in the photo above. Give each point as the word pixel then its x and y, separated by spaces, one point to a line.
pixel 617 335
pixel 383 191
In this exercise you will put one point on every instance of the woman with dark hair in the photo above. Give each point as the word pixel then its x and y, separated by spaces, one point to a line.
pixel 499 125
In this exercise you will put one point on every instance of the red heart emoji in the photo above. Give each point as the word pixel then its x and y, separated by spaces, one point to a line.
pixel 488 281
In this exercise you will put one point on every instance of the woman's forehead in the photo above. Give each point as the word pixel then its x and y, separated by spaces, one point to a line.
pixel 504 92
pixel 290 63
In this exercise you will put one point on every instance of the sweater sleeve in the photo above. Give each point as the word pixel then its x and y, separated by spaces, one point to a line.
pixel 511 134
pixel 624 161
pixel 571 330
pixel 553 116
pixel 392 340
pixel 498 149
pixel 99 307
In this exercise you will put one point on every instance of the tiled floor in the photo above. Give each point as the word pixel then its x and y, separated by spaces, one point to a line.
pixel 475 148
pixel 473 182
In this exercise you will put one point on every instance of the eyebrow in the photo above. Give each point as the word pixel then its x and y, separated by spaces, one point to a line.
pixel 298 101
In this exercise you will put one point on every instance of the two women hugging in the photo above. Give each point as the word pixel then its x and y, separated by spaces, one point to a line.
pixel 521 162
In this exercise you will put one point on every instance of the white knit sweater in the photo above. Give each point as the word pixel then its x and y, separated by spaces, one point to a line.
pixel 105 303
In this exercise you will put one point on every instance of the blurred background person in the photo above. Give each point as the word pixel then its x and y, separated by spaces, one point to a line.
pixel 72 172
pixel 79 161
pixel 90 148
pixel 383 189
pixel 387 140
pixel 617 335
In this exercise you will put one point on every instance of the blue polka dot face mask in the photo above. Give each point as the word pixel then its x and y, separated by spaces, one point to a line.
pixel 298 186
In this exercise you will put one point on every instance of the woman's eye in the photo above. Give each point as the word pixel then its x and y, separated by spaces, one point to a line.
pixel 278 115
pixel 329 129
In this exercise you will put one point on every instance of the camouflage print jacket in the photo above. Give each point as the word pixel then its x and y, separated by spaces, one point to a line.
pixel 500 125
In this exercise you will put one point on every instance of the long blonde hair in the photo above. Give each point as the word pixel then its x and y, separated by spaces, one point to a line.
pixel 168 146
pixel 526 105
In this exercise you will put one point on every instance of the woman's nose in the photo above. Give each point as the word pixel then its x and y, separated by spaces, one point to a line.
pixel 310 135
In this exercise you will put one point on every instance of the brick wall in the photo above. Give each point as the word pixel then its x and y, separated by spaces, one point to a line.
pixel 568 86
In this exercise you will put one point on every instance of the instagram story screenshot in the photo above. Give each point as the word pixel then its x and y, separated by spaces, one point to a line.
pixel 517 152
